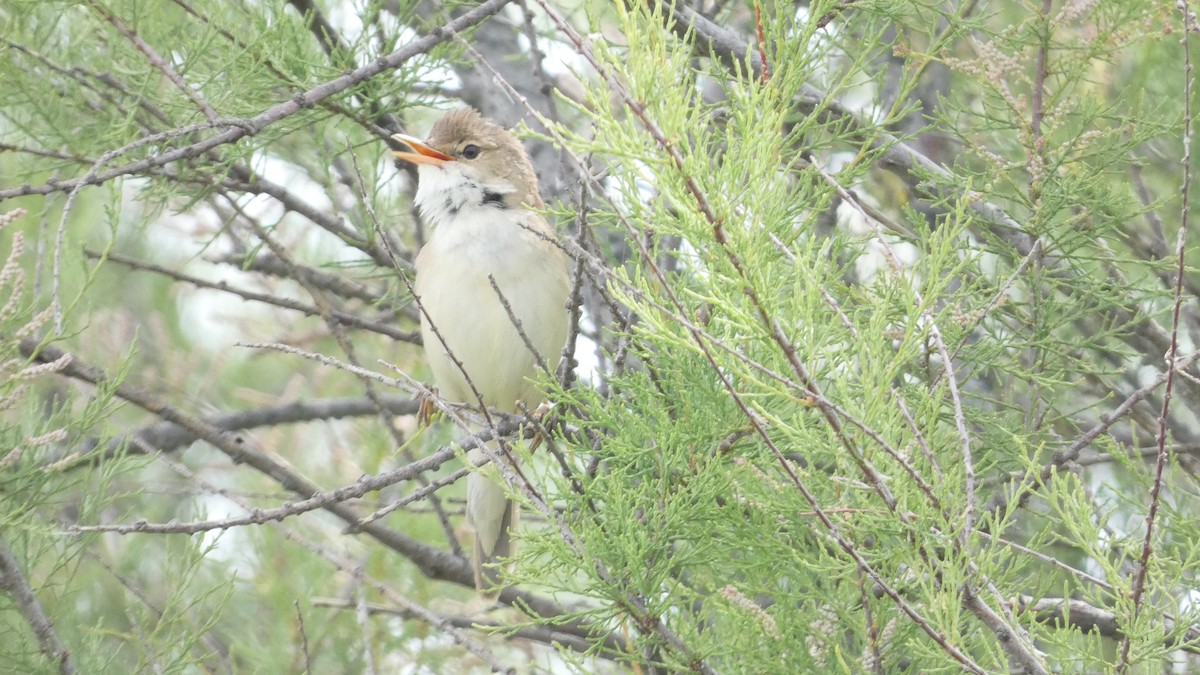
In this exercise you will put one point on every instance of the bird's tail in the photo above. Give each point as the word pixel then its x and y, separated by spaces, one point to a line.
pixel 493 516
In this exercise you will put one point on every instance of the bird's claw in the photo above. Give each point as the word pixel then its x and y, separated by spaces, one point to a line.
pixel 426 409
pixel 543 408
pixel 538 414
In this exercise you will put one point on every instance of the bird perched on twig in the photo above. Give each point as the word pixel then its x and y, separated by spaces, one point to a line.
pixel 478 191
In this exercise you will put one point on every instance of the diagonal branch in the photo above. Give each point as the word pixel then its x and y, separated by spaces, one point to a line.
pixel 910 165
pixel 1139 578
pixel 432 562
pixel 256 124
pixel 168 436
pixel 340 316
pixel 257 516
pixel 14 583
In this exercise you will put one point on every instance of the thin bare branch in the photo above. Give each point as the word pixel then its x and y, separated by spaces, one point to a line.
pixel 14 583
pixel 239 129
pixel 1139 579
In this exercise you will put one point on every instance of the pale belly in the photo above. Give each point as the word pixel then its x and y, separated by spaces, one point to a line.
pixel 474 326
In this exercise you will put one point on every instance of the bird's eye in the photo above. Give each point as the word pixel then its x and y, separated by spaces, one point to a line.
pixel 471 151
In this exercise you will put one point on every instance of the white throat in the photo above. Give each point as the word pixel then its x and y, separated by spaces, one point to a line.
pixel 446 192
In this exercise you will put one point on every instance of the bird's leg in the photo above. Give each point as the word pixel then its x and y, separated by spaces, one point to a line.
pixel 537 442
pixel 426 408
pixel 536 415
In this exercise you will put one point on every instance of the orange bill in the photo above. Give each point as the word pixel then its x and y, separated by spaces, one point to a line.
pixel 421 154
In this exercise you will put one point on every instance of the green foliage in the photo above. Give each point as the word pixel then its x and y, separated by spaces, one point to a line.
pixel 677 520
pixel 837 418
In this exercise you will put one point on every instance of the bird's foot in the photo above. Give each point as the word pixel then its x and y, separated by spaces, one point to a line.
pixel 538 414
pixel 426 409
pixel 542 410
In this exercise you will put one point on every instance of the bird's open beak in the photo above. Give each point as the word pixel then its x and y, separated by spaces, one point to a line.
pixel 423 154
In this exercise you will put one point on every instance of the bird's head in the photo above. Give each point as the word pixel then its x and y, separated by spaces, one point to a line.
pixel 469 162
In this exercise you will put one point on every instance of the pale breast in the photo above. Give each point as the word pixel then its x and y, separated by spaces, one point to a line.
pixel 453 284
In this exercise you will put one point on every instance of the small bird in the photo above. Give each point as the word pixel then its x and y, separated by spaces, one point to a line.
pixel 478 191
